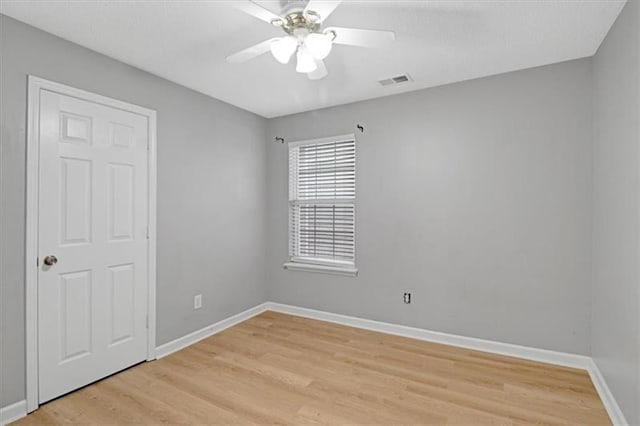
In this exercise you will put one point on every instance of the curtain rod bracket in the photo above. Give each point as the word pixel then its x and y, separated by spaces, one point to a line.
pixel 359 127
pixel 279 139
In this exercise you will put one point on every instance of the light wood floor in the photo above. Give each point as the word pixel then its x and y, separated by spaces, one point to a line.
pixel 276 368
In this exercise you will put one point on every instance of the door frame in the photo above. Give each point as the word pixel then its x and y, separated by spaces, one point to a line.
pixel 35 86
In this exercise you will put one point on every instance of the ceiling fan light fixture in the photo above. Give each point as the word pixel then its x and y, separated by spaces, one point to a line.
pixel 306 35
pixel 283 48
pixel 306 62
pixel 319 45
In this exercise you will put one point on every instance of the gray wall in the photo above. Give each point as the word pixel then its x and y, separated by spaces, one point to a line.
pixel 615 342
pixel 476 197
pixel 211 190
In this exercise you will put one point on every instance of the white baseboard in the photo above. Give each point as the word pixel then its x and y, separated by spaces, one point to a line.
pixel 609 402
pixel 533 354
pixel 13 412
pixel 18 410
pixel 210 330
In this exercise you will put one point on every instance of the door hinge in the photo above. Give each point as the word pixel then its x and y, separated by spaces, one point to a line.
pixel 147 321
pixel 147 232
pixel 37 261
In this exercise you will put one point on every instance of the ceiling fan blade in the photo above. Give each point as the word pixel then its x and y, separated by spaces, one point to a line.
pixel 257 11
pixel 323 8
pixel 363 38
pixel 320 72
pixel 251 52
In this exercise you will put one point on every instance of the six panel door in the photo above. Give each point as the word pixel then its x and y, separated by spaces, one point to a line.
pixel 93 204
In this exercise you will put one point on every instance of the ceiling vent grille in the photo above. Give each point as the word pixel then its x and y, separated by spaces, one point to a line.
pixel 394 81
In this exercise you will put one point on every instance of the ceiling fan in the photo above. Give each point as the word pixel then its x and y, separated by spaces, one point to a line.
pixel 305 35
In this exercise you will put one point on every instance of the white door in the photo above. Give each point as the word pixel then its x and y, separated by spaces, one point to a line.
pixel 92 222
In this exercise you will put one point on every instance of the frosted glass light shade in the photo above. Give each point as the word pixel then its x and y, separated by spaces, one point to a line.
pixel 318 44
pixel 306 62
pixel 283 48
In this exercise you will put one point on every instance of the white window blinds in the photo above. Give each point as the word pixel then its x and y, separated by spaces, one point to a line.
pixel 322 195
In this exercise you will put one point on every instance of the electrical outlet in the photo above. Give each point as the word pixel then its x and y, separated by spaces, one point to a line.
pixel 407 298
pixel 197 301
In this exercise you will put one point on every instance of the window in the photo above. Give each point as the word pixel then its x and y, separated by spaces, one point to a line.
pixel 322 197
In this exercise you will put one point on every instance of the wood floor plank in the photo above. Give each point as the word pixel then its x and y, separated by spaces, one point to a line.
pixel 282 369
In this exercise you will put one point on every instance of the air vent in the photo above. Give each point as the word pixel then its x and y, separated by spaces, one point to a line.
pixel 393 81
pixel 401 79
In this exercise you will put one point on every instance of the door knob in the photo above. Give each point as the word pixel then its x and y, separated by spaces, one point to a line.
pixel 50 260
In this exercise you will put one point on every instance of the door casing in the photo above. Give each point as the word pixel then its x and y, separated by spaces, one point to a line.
pixel 35 85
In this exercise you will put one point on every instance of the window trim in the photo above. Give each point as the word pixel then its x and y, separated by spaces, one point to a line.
pixel 295 263
pixel 337 138
pixel 311 267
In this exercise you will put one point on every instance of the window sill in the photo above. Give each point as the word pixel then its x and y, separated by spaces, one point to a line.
pixel 308 267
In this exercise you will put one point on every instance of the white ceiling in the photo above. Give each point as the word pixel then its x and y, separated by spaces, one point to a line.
pixel 438 42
